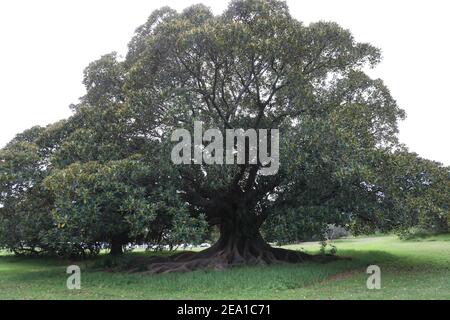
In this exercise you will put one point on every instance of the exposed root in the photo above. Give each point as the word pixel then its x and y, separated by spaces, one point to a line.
pixel 221 257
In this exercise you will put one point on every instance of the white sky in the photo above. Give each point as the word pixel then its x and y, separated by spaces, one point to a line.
pixel 46 44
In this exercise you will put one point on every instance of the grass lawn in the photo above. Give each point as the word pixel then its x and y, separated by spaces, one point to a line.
pixel 415 269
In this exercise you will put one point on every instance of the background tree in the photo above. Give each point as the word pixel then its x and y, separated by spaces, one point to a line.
pixel 415 195
pixel 24 204
pixel 116 203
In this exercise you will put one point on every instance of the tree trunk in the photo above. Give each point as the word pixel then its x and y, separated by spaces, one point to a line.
pixel 116 246
pixel 240 242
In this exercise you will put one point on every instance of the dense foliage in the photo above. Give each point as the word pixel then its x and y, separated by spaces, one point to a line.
pixel 105 176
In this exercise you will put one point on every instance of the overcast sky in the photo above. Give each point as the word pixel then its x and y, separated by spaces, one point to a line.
pixel 46 44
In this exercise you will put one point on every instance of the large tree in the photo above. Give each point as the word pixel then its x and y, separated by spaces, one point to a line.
pixel 252 67
pixel 256 67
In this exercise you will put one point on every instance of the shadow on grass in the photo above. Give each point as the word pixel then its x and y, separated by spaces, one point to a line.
pixel 244 281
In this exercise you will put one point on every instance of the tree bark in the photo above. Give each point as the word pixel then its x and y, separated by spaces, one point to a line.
pixel 116 246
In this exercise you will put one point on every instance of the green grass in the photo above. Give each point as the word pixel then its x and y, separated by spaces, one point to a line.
pixel 413 269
